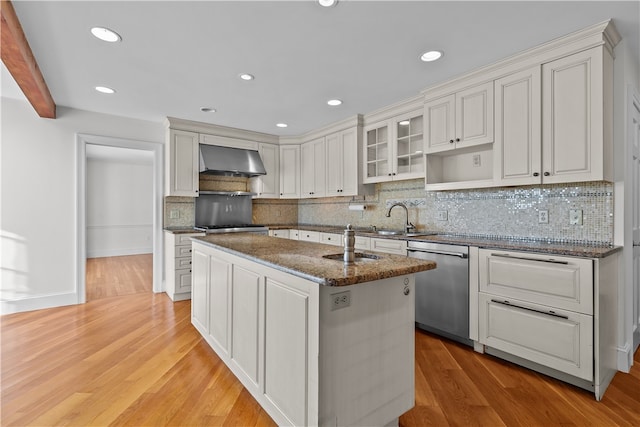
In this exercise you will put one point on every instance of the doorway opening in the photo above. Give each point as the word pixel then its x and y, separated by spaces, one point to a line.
pixel 119 217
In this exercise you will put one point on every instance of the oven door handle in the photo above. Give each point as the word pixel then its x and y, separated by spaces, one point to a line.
pixel 436 252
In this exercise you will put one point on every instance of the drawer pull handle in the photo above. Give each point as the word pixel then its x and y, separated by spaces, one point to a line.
pixel 548 313
pixel 552 261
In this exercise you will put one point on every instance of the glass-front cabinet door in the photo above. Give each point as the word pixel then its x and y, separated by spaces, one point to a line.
pixel 409 139
pixel 377 167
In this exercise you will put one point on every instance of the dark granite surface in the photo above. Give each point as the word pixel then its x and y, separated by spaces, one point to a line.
pixel 305 259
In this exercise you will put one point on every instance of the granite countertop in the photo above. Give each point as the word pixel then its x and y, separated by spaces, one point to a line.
pixel 182 230
pixel 525 245
pixel 305 259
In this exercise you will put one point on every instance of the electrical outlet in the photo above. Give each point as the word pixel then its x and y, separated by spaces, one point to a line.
pixel 340 300
pixel 575 216
pixel 442 215
pixel 543 216
pixel 476 161
pixel 174 214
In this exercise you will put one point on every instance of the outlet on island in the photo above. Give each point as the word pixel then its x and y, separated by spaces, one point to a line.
pixel 543 216
pixel 340 300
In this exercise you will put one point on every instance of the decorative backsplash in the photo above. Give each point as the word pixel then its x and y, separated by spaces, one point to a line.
pixel 507 212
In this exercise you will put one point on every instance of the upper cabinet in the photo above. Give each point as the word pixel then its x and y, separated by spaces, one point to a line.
pixel 313 174
pixel 394 149
pixel 460 120
pixel 268 186
pixel 182 163
pixel 343 177
pixel 290 171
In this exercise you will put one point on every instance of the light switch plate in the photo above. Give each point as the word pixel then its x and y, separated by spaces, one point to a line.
pixel 575 216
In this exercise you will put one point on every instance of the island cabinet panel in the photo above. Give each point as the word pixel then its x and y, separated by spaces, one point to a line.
pixel 244 323
pixel 219 296
pixel 200 292
pixel 286 355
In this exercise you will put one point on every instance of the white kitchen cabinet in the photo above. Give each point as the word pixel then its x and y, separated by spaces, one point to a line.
pixel 335 239
pixel 296 355
pixel 390 246
pixel 363 243
pixel 182 163
pixel 577 117
pixel 343 171
pixel 268 186
pixel 290 171
pixel 283 234
pixel 518 139
pixel 294 234
pixel 394 149
pixel 460 120
pixel 313 179
pixel 309 236
pixel 554 314
pixel 178 265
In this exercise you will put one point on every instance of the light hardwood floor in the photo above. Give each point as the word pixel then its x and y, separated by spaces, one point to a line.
pixel 135 360
pixel 119 275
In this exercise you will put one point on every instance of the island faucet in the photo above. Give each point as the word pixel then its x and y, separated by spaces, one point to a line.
pixel 408 226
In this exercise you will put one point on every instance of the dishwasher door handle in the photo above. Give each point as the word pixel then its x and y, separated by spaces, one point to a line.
pixel 436 252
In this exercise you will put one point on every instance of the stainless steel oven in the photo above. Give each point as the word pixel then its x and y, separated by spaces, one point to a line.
pixel 442 295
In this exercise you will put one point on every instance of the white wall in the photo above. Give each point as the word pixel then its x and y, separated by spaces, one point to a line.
pixel 119 201
pixel 38 199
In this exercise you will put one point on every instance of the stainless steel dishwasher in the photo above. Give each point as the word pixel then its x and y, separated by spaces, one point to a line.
pixel 442 295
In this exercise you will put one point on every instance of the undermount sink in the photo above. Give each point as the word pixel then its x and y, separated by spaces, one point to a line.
pixel 359 257
pixel 390 232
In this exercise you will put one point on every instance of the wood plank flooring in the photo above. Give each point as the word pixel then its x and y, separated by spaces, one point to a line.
pixel 135 360
pixel 119 275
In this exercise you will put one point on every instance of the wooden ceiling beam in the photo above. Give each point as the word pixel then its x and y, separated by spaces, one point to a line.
pixel 19 60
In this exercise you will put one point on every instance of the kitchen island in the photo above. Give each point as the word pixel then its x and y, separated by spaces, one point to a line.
pixel 314 341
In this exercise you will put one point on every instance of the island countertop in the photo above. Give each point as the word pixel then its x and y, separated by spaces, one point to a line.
pixel 305 259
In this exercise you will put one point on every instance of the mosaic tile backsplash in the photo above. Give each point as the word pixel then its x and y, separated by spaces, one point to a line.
pixel 494 212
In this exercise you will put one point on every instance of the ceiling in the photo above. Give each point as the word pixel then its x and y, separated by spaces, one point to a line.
pixel 176 57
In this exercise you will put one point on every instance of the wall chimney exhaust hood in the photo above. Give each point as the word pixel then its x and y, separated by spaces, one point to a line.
pixel 227 161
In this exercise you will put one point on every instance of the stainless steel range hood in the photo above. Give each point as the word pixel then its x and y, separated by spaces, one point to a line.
pixel 217 160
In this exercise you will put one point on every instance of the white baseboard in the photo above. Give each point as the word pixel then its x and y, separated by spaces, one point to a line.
pixel 119 252
pixel 625 357
pixel 37 303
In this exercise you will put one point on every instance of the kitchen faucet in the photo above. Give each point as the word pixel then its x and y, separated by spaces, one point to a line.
pixel 409 226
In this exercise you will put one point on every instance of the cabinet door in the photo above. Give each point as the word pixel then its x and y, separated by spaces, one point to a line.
pixel 267 186
pixel 313 171
pixel 219 302
pixel 572 136
pixel 377 154
pixel 245 318
pixel 350 163
pixel 200 292
pixel 474 116
pixel 335 164
pixel 518 144
pixel 440 127
pixel 409 146
pixel 289 171
pixel 183 158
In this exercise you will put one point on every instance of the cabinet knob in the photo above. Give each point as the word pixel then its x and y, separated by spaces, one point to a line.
pixel 393 173
pixel 389 174
pixel 457 139
pixel 281 194
pixel 547 174
pixel 536 174
pixel 451 141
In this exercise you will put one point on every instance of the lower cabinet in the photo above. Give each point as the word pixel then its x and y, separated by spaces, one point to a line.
pixel 303 360
pixel 389 246
pixel 555 314
pixel 177 261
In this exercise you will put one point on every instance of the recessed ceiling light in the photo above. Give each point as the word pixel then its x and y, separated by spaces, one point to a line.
pixel 207 110
pixel 246 76
pixel 106 34
pixel 327 3
pixel 404 123
pixel 282 125
pixel 432 55
pixel 104 89
pixel 334 102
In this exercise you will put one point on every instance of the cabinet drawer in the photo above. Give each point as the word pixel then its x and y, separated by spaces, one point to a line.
pixel 390 246
pixel 183 251
pixel 331 239
pixel 183 280
pixel 309 236
pixel 279 233
pixel 183 262
pixel 363 243
pixel 294 234
pixel 562 340
pixel 560 282
pixel 185 239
